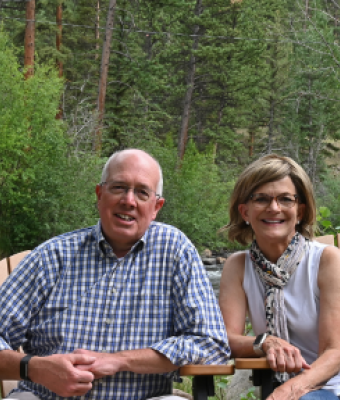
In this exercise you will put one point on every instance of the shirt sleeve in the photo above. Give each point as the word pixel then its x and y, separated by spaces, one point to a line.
pixel 21 296
pixel 199 332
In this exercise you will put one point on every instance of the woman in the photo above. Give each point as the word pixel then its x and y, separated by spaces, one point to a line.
pixel 288 284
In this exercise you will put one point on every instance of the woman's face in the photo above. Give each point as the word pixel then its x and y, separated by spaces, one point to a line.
pixel 273 223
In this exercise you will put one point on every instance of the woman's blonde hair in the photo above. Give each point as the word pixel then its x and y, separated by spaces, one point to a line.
pixel 267 169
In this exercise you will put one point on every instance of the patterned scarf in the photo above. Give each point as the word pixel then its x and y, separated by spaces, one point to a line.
pixel 275 277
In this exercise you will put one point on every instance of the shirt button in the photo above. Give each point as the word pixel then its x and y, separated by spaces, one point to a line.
pixel 109 321
pixel 114 290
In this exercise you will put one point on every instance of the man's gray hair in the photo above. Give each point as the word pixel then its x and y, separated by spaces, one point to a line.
pixel 114 156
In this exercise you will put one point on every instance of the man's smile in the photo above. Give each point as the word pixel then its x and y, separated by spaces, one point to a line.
pixel 125 217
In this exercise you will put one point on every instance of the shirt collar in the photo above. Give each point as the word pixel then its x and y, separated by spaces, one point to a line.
pixel 105 247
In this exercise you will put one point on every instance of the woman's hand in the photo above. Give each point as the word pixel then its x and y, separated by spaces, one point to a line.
pixel 282 356
pixel 287 391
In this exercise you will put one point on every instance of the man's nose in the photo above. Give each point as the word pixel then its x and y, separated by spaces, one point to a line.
pixel 129 196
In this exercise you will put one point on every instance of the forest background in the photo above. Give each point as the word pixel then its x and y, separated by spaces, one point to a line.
pixel 206 86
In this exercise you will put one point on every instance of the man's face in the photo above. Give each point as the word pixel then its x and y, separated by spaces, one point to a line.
pixel 124 218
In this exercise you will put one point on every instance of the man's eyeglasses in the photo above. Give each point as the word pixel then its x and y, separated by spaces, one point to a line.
pixel 119 189
pixel 262 200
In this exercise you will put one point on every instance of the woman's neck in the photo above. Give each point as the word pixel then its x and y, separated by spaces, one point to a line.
pixel 273 250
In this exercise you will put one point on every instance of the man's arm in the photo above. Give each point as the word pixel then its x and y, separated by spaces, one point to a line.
pixel 143 361
pixel 58 373
pixel 22 293
pixel 199 335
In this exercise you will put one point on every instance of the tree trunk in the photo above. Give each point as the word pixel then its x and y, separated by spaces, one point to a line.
pixel 104 68
pixel 183 133
pixel 311 154
pixel 59 18
pixel 271 125
pixel 29 38
pixel 97 30
pixel 251 141
pixel 306 14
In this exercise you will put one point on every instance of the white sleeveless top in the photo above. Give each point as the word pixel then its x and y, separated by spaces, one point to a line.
pixel 302 305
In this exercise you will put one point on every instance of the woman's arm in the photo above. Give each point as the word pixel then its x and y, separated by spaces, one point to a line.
pixel 281 355
pixel 233 304
pixel 328 363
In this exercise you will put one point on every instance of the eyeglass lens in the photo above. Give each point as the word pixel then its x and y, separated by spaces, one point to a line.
pixel 262 200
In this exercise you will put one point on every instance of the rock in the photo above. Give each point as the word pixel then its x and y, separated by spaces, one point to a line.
pixel 206 253
pixel 220 260
pixel 178 392
pixel 225 253
pixel 240 384
pixel 209 261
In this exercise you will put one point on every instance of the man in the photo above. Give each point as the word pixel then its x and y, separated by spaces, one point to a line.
pixel 111 311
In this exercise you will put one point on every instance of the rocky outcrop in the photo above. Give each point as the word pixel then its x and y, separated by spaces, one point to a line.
pixel 178 392
pixel 209 258
pixel 240 384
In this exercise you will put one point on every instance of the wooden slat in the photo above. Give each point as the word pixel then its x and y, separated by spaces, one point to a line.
pixel 3 271
pixel 251 363
pixel 16 258
pixel 194 370
pixel 3 276
pixel 7 265
pixel 8 386
pixel 326 239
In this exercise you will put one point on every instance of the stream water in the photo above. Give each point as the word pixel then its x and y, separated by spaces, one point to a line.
pixel 214 273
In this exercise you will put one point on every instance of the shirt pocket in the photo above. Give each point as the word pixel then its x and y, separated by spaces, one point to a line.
pixel 66 327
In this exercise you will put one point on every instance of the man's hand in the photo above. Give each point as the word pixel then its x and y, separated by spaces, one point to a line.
pixel 139 361
pixel 105 363
pixel 59 373
pixel 282 356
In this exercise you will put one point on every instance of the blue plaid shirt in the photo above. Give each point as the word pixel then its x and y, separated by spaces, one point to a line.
pixel 72 292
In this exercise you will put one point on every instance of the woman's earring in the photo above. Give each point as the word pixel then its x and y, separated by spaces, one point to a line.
pixel 247 222
pixel 298 222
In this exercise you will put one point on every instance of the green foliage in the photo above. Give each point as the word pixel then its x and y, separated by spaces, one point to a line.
pixel 196 197
pixel 41 187
pixel 328 200
pixel 324 219
pixel 266 79
pixel 220 383
pixel 250 395
pixel 186 384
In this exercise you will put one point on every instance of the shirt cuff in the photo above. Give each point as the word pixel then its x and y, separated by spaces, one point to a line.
pixel 4 345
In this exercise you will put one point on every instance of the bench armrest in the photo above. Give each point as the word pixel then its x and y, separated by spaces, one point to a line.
pixel 251 363
pixel 206 370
